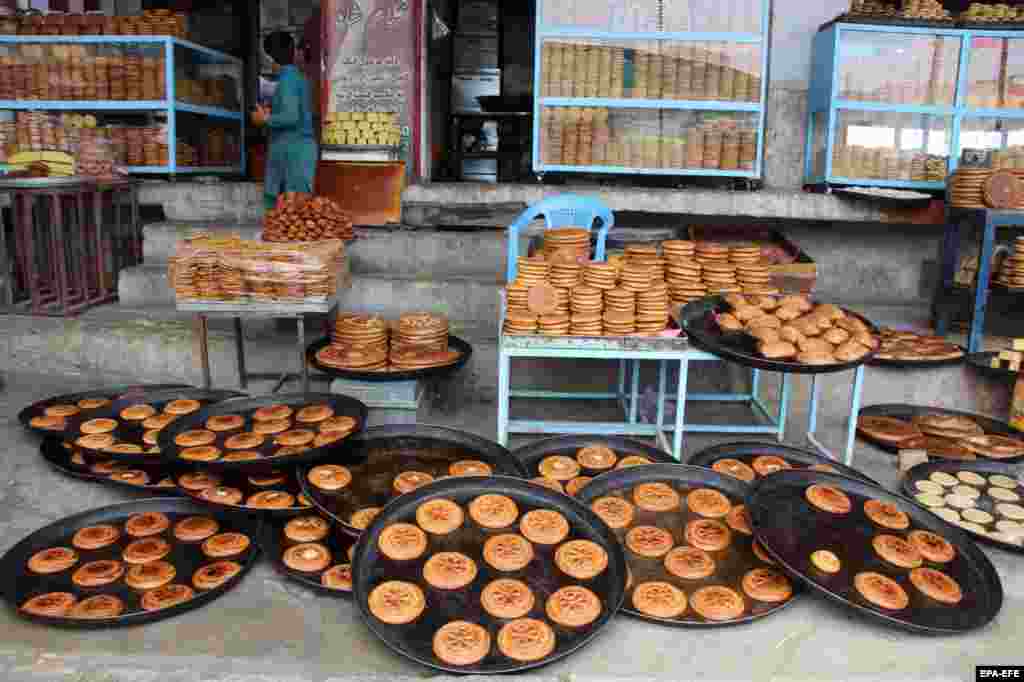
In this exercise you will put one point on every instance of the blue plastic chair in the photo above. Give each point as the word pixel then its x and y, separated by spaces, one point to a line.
pixel 564 210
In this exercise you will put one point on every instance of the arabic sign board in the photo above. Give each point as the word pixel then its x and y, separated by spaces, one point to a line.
pixel 370 57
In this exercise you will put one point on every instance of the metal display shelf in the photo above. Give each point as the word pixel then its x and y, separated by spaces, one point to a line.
pixel 576 33
pixel 170 105
pixel 825 101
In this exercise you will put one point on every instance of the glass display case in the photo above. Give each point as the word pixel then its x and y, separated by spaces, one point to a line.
pixel 650 87
pixel 151 104
pixel 894 106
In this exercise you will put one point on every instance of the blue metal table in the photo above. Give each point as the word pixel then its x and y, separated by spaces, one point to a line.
pixel 629 352
pixel 985 221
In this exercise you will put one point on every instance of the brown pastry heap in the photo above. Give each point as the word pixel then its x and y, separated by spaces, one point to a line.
pixel 792 329
pixel 300 217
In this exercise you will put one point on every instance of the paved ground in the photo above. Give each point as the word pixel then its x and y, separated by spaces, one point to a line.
pixel 270 630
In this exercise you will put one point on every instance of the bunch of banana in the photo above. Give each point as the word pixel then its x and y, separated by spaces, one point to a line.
pixel 361 128
pixel 58 164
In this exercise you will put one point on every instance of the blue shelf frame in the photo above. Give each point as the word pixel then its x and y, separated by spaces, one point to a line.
pixel 170 104
pixel 546 31
pixel 824 98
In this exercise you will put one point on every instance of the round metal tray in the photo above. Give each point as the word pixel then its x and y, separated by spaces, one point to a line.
pixel 747 451
pixel 791 529
pixel 697 320
pixel 414 641
pixel 380 453
pixel 979 362
pixel 908 412
pixel 731 563
pixel 110 393
pixel 454 343
pixel 240 481
pixel 132 432
pixel 342 406
pixel 922 471
pixel 274 543
pixel 533 454
pixel 917 364
pixel 53 452
pixel 21 584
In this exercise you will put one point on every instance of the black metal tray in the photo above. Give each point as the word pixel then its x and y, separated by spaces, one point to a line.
pixel 917 364
pixel 890 21
pixel 59 458
pixel 394 449
pixel 791 529
pixel 979 362
pixel 132 432
pixel 991 26
pixel 342 406
pixel 274 544
pixel 110 393
pixel 747 451
pixel 908 412
pixel 731 563
pixel 922 471
pixel 454 343
pixel 22 585
pixel 240 481
pixel 697 320
pixel 533 454
pixel 371 567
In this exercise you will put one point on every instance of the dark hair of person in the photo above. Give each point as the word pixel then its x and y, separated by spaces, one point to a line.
pixel 280 46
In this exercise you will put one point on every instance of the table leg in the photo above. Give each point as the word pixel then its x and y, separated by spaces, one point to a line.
pixel 851 424
pixel 981 292
pixel 98 237
pixel 504 380
pixel 81 254
pixel 622 382
pixel 662 381
pixel 204 350
pixel 135 227
pixel 303 367
pixel 635 400
pixel 812 416
pixel 784 392
pixel 677 437
pixel 6 271
pixel 755 383
pixel 57 252
pixel 243 375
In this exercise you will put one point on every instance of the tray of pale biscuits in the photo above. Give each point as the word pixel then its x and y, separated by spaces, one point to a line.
pixel 780 333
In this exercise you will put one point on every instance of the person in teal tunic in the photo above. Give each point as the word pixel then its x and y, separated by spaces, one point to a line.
pixel 292 154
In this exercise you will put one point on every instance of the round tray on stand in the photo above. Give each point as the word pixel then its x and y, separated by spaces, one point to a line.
pixel 697 319
pixel 454 343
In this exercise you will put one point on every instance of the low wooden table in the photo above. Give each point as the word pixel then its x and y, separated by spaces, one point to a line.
pixel 239 311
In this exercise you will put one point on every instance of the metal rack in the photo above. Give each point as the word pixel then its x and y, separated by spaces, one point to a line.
pixel 617 10
pixel 170 105
pixel 826 103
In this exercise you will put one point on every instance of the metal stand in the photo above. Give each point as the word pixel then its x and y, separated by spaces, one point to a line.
pixel 986 221
pixel 851 422
pixel 239 311
pixel 625 350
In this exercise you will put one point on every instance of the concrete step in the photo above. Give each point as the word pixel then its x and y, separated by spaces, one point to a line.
pixel 460 298
pixel 235 202
pixel 377 251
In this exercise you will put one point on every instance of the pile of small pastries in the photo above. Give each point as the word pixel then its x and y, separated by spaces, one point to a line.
pixel 791 328
pixel 985 504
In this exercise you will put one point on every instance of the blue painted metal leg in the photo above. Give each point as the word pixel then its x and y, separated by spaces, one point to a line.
pixel 851 425
pixel 784 390
pixel 504 380
pixel 812 417
pixel 677 436
pixel 755 383
pixel 622 379
pixel 981 293
pixel 634 402
pixel 662 380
